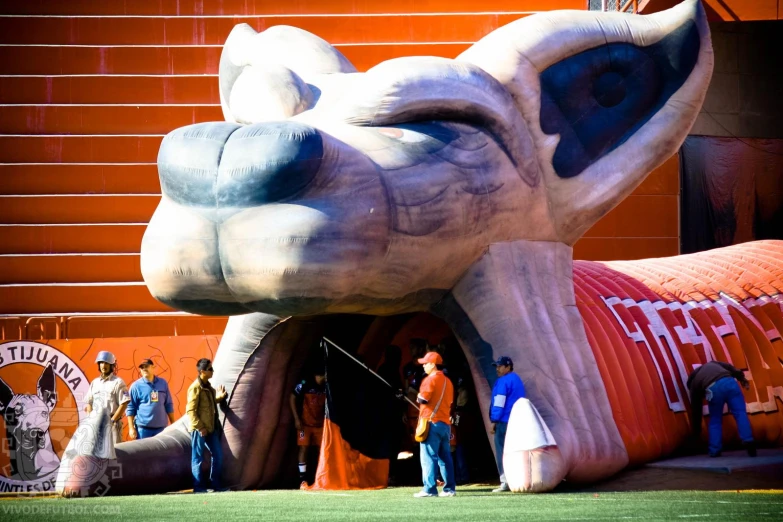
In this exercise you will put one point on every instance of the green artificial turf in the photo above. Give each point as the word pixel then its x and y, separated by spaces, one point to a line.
pixel 471 503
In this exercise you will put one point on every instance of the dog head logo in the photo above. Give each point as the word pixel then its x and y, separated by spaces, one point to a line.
pixel 41 391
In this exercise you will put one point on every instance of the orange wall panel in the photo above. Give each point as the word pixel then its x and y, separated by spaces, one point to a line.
pixel 663 180
pixel 640 216
pixel 608 249
pixel 644 225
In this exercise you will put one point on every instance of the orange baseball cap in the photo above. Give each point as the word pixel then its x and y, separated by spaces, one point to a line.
pixel 431 357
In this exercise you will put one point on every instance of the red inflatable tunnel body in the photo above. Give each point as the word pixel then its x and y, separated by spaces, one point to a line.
pixel 651 322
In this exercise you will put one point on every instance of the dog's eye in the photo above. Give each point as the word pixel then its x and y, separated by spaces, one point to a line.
pixel 402 134
pixel 45 414
pixel 19 410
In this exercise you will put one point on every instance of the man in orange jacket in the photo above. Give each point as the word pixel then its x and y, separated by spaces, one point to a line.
pixel 435 397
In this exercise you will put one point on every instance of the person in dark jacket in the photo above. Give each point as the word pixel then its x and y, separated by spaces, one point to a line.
pixel 717 382
pixel 308 407
pixel 507 390
pixel 204 426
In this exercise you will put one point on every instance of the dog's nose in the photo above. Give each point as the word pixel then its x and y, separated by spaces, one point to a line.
pixel 227 165
pixel 268 162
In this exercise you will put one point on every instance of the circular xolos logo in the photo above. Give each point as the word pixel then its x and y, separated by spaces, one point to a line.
pixel 42 395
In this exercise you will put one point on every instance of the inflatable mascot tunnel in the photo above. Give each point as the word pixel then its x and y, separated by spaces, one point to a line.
pixel 456 187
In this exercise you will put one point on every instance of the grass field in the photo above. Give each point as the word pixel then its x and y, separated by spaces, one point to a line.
pixel 471 503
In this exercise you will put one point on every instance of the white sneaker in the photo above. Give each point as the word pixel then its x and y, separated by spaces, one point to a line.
pixel 502 489
pixel 447 494
pixel 422 494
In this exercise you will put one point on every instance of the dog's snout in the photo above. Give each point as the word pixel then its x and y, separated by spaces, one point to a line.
pixel 268 162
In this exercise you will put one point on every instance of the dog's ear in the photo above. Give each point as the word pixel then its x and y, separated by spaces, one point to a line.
pixel 47 387
pixel 608 97
pixel 6 394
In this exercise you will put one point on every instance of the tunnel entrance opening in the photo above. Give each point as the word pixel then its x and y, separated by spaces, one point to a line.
pixel 367 338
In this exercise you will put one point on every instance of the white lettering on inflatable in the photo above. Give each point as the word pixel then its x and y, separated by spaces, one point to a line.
pixel 692 334
pixel 639 337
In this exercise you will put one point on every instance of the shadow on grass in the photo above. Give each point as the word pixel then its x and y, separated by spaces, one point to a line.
pixel 657 479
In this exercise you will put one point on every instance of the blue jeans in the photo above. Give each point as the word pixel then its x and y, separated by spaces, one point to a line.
pixel 146 433
pixel 500 442
pixel 435 452
pixel 212 443
pixel 727 391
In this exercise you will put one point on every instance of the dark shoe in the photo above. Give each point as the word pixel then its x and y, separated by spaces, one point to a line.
pixel 713 455
pixel 750 447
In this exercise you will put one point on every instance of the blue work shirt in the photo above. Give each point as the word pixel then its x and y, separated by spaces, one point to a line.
pixel 507 390
pixel 148 412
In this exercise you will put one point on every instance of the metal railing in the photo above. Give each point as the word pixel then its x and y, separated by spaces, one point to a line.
pixel 40 322
pixel 35 327
pixel 6 326
pixel 619 6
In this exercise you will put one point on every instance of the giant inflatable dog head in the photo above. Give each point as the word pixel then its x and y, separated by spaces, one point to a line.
pixel 329 190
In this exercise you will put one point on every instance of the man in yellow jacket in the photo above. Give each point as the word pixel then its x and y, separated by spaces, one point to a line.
pixel 204 426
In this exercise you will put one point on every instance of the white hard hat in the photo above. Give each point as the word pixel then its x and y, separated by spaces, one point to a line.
pixel 106 357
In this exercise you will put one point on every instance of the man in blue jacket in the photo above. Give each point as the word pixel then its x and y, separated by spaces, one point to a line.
pixel 150 408
pixel 507 390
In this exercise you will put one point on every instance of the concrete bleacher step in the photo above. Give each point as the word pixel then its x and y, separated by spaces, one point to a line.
pixel 102 119
pixel 64 298
pixel 69 268
pixel 81 59
pixel 260 7
pixel 180 30
pixel 83 89
pixel 728 462
pixel 76 209
pixel 79 178
pixel 186 59
pixel 20 148
pixel 72 238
